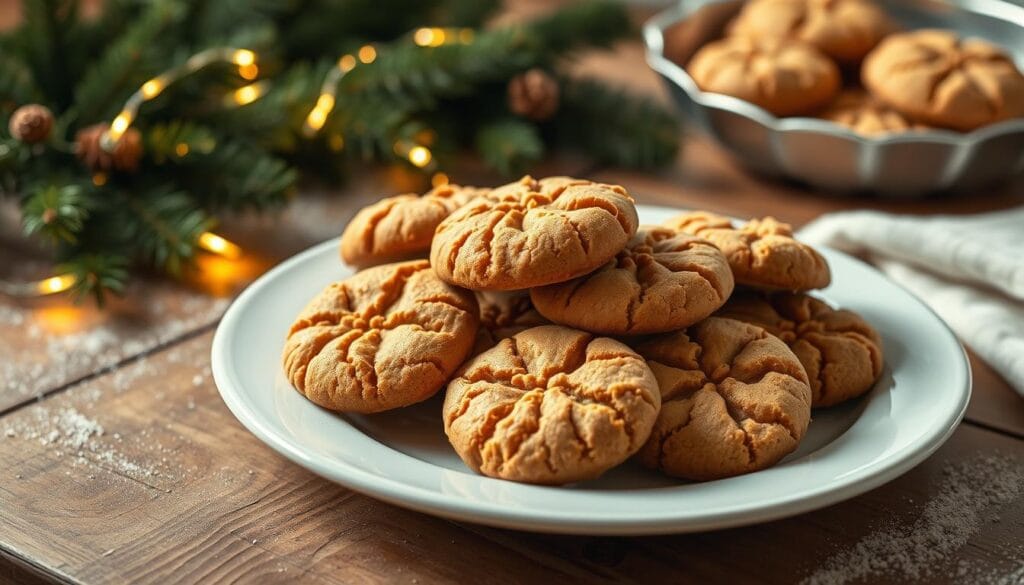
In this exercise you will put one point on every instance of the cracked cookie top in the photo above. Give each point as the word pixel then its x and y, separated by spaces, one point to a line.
pixel 862 113
pixel 935 77
pixel 762 252
pixel 400 227
pixel 842 29
pixel 388 336
pixel 551 405
pixel 784 77
pixel 840 351
pixel 532 233
pixel 734 400
pixel 662 280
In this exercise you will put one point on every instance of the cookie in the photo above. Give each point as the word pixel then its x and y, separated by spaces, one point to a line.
pixel 662 280
pixel 532 233
pixel 860 112
pixel 840 351
pixel 762 252
pixel 934 77
pixel 734 400
pixel 386 337
pixel 786 78
pixel 400 227
pixel 506 313
pixel 551 405
pixel 842 29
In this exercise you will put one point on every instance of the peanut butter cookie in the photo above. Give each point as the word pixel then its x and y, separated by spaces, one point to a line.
pixel 864 114
pixel 503 314
pixel 843 29
pixel 786 78
pixel 551 405
pixel 937 78
pixel 400 227
pixel 762 252
pixel 734 400
pixel 386 337
pixel 840 351
pixel 662 280
pixel 531 233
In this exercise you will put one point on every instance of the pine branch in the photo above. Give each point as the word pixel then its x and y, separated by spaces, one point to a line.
pixel 96 275
pixel 17 85
pixel 129 60
pixel 58 213
pixel 509 145
pixel 168 227
pixel 579 26
pixel 616 127
pixel 174 140
pixel 234 175
pixel 466 13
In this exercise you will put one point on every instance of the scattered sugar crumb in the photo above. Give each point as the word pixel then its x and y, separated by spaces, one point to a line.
pixel 967 495
pixel 66 431
pixel 108 552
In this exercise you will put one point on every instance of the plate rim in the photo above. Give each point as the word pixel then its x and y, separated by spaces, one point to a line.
pixel 448 506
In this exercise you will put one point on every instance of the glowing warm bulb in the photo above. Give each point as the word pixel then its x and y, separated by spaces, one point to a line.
pixel 211 242
pixel 423 37
pixel 243 57
pixel 318 115
pixel 346 63
pixel 181 149
pixel 419 156
pixel 248 94
pixel 250 71
pixel 152 88
pixel 55 284
pixel 99 179
pixel 119 125
pixel 367 54
pixel 439 179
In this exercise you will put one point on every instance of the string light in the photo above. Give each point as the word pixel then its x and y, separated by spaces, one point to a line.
pixel 420 156
pixel 55 284
pixel 439 180
pixel 220 246
pixel 99 179
pixel 435 37
pixel 244 59
pixel 248 93
pixel 39 288
pixel 367 54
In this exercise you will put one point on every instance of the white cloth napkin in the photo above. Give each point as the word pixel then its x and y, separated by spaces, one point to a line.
pixel 969 269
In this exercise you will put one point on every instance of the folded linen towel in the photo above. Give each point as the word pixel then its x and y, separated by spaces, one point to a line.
pixel 969 269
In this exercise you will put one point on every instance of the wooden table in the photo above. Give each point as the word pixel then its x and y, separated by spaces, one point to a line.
pixel 120 463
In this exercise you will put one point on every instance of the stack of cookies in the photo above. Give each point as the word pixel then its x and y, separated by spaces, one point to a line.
pixel 790 57
pixel 568 338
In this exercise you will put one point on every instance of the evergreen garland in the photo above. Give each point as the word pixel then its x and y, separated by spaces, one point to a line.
pixel 194 151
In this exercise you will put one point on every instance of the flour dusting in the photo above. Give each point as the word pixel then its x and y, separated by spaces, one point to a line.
pixel 969 495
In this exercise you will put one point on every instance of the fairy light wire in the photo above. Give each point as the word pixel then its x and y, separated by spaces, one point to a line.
pixel 244 59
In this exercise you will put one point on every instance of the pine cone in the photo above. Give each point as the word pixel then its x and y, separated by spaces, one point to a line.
pixel 533 95
pixel 31 123
pixel 124 157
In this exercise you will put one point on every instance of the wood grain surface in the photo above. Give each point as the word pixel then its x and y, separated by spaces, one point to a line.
pixel 119 463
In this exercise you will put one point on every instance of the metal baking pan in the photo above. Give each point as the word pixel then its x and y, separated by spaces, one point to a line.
pixel 830 156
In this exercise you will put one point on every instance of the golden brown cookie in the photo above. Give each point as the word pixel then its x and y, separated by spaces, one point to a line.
pixel 386 337
pixel 937 78
pixel 400 227
pixel 862 113
pixel 842 29
pixel 762 252
pixel 840 351
pixel 503 314
pixel 531 233
pixel 786 78
pixel 734 400
pixel 662 280
pixel 551 405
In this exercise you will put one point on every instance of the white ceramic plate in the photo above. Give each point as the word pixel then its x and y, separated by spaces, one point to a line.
pixel 403 456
